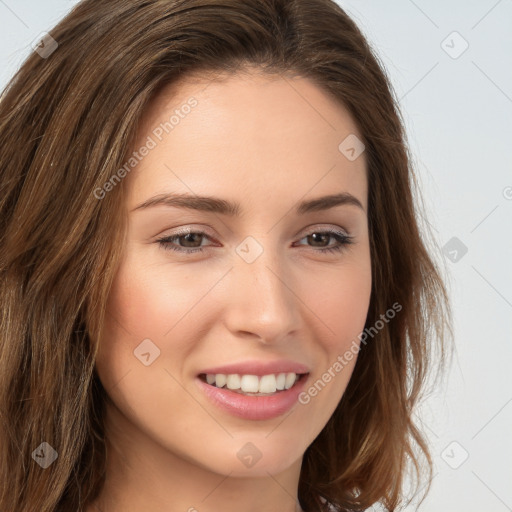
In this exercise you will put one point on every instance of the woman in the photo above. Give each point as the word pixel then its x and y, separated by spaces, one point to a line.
pixel 215 294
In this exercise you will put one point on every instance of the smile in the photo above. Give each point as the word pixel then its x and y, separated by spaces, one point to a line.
pixel 253 397
pixel 252 384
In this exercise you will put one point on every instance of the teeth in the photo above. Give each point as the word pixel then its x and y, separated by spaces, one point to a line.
pixel 290 380
pixel 253 383
pixel 220 380
pixel 280 381
pixel 268 384
pixel 233 381
pixel 249 383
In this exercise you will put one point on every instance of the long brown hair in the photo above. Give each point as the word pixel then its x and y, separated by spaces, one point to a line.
pixel 67 122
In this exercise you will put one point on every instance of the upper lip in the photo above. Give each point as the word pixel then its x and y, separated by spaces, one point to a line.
pixel 255 367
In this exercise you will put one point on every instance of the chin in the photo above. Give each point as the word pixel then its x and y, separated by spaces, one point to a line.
pixel 250 456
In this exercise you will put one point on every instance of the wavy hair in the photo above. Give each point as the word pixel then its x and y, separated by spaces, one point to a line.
pixel 67 123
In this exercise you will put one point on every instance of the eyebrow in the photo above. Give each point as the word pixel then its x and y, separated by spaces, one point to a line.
pixel 233 209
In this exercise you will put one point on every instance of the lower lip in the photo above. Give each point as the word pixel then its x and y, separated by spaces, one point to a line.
pixel 253 407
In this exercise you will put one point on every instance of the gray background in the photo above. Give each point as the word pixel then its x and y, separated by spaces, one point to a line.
pixel 458 109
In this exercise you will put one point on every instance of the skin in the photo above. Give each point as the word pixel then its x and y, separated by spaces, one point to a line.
pixel 267 142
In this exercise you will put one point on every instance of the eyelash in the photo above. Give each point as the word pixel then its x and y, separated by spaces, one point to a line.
pixel 342 238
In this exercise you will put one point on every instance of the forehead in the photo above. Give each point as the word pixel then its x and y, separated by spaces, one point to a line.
pixel 248 130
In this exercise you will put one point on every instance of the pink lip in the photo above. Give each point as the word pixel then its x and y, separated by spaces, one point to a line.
pixel 253 407
pixel 258 368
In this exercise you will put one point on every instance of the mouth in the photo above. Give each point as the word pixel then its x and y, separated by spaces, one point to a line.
pixel 253 385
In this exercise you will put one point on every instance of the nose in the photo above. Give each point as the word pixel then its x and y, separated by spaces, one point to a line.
pixel 262 301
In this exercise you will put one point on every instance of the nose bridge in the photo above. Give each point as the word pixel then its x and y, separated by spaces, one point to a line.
pixel 264 303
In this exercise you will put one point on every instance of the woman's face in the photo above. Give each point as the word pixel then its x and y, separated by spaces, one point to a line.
pixel 261 298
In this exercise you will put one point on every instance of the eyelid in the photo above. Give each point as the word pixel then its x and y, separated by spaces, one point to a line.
pixel 326 227
pixel 192 228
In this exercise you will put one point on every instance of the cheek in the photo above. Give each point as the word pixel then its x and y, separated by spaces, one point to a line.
pixel 149 300
pixel 341 310
pixel 341 300
pixel 133 314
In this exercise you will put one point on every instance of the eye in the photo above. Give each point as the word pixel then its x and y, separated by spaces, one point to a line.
pixel 341 238
pixel 192 241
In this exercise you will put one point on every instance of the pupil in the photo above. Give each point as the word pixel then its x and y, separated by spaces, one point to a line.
pixel 316 236
pixel 190 235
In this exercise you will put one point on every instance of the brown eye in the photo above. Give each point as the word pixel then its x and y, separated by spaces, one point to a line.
pixel 192 242
pixel 321 237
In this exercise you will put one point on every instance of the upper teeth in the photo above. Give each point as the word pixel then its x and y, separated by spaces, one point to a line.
pixel 253 383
